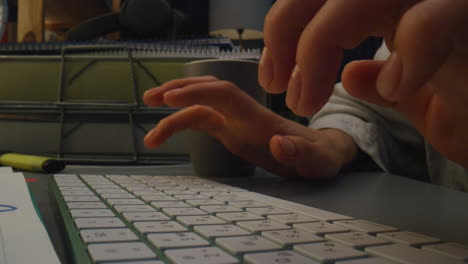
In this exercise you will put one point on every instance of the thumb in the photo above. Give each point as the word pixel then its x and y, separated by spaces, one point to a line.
pixel 309 159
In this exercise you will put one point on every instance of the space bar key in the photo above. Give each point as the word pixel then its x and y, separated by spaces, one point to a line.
pixel 295 207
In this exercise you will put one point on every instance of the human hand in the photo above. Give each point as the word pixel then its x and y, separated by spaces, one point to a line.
pixel 425 78
pixel 248 129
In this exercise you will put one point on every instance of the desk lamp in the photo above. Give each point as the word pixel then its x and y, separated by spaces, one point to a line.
pixel 239 19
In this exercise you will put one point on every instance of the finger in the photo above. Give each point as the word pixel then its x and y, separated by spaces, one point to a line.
pixel 223 96
pixel 338 25
pixel 195 117
pixel 425 38
pixel 359 79
pixel 284 24
pixel 301 154
pixel 153 97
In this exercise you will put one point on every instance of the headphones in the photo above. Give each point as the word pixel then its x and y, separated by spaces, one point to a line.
pixel 141 18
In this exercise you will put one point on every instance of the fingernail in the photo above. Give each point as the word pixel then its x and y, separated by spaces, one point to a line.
pixel 150 91
pixel 294 88
pixel 388 83
pixel 265 69
pixel 148 139
pixel 172 92
pixel 287 146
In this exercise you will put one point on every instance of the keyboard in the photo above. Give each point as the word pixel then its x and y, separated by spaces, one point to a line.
pixel 155 219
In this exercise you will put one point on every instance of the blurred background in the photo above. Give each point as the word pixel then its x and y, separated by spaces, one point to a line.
pixel 145 20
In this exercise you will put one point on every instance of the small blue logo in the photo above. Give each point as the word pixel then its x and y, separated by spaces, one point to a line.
pixel 7 208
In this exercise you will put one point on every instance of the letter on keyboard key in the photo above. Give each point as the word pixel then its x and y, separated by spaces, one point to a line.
pixel 321 228
pixel 98 222
pixel 405 254
pixel 177 240
pixel 292 236
pixel 108 235
pixel 120 251
pixel 328 252
pixel 246 244
pixel 212 231
pixel 207 255
pixel 278 257
pixel 159 227
pixel 357 239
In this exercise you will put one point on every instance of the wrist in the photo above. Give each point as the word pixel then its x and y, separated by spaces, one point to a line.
pixel 343 144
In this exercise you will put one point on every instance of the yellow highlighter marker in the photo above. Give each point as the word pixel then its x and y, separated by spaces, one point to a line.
pixel 32 162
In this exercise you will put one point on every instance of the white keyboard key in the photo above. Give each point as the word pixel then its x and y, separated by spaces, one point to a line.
pixel 117 195
pixel 113 202
pixel 190 197
pixel 159 227
pixel 74 193
pixel 262 225
pixel 134 208
pixel 455 250
pixel 148 193
pixel 105 186
pixel 246 244
pixel 120 251
pixel 206 255
pixel 71 188
pixel 409 255
pixel 86 205
pixel 294 207
pixel 408 238
pixel 204 202
pixel 357 239
pixel 366 261
pixel 365 226
pixel 138 262
pixel 220 208
pixel 200 220
pixel 321 228
pixel 213 231
pixel 108 235
pixel 279 257
pixel 157 198
pixel 183 211
pixel 79 198
pixel 229 198
pixel 71 184
pixel 145 216
pixel 177 240
pixel 265 211
pixel 239 216
pixel 293 218
pixel 169 204
pixel 179 192
pixel 249 204
pixel 110 190
pixel 328 251
pixel 98 222
pixel 292 236
pixel 91 213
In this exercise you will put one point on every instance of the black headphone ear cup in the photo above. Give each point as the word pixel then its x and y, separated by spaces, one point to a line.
pixel 145 17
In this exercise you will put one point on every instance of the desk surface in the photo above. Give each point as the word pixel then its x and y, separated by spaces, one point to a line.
pixel 379 197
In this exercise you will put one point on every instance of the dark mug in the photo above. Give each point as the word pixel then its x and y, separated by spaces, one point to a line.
pixel 209 157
